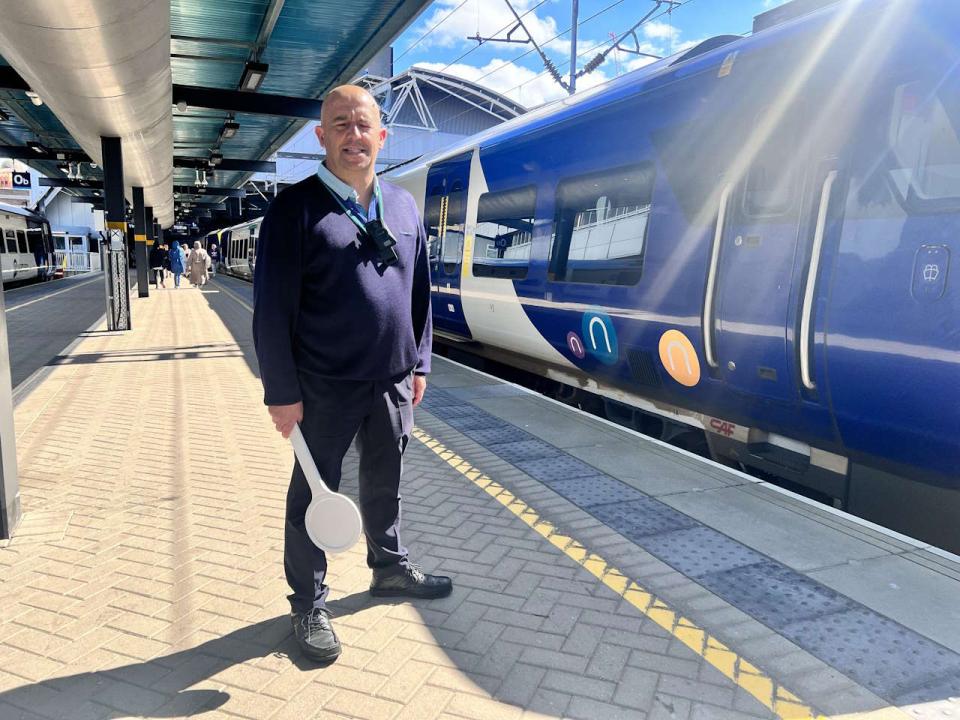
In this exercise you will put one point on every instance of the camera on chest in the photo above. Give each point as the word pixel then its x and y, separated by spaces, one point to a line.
pixel 383 241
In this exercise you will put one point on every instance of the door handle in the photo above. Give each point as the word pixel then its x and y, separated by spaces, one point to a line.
pixel 806 311
pixel 708 301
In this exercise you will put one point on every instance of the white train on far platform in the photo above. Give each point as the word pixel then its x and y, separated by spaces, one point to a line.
pixel 26 246
pixel 237 247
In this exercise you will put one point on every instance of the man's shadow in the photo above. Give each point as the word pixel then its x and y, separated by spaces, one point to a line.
pixel 158 688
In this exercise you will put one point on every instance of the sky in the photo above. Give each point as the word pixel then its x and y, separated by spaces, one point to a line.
pixel 438 39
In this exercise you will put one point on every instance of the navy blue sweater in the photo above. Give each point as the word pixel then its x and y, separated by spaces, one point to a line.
pixel 325 306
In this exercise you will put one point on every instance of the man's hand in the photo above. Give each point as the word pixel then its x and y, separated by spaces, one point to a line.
pixel 419 388
pixel 286 416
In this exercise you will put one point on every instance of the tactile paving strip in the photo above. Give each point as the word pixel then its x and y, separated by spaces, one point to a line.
pixel 447 412
pixel 501 435
pixel 881 655
pixel 699 551
pixel 597 490
pixel 644 516
pixel 487 391
pixel 896 663
pixel 558 467
pixel 774 594
pixel 436 397
pixel 520 450
pixel 470 423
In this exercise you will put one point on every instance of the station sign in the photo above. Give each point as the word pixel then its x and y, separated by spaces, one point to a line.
pixel 11 180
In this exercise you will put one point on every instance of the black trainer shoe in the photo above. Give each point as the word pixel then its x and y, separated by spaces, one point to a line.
pixel 315 635
pixel 408 580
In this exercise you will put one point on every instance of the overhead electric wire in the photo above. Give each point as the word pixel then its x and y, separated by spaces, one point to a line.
pixel 562 63
pixel 479 45
pixel 422 37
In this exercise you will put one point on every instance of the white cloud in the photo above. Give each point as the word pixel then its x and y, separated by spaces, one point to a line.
pixel 528 87
pixel 660 31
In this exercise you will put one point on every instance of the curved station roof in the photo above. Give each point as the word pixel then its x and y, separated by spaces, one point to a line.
pixel 200 92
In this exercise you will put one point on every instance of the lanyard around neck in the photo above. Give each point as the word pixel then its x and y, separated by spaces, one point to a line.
pixel 350 205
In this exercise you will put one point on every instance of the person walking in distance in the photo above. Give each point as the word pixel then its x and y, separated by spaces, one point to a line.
pixel 198 262
pixel 343 333
pixel 158 259
pixel 214 259
pixel 178 262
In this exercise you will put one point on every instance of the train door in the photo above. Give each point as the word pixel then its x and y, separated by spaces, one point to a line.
pixel 445 214
pixel 750 284
pixel 12 264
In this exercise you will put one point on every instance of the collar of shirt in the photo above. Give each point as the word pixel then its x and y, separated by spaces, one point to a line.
pixel 347 194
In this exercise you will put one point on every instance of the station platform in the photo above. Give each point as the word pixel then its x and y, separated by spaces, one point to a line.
pixel 598 573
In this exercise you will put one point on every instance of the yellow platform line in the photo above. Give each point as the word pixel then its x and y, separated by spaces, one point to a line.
pixel 765 689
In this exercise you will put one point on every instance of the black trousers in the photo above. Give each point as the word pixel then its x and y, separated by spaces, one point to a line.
pixel 380 415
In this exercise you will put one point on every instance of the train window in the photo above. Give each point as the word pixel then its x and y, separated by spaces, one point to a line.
pixel 3 245
pixel 769 189
pixel 22 243
pixel 504 233
pixel 456 218
pixel 11 238
pixel 601 226
pixel 925 140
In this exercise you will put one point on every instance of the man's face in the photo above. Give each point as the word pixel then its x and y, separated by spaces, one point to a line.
pixel 351 132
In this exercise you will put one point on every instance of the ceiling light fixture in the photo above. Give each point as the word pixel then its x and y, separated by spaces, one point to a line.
pixel 229 129
pixel 182 105
pixel 34 98
pixel 216 157
pixel 253 74
pixel 37 147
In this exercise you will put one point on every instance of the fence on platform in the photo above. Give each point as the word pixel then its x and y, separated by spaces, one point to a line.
pixel 73 263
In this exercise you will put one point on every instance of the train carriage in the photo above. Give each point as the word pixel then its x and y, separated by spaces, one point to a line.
pixel 749 243
pixel 238 248
pixel 26 246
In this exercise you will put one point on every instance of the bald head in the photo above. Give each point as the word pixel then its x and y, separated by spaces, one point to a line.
pixel 351 133
pixel 346 94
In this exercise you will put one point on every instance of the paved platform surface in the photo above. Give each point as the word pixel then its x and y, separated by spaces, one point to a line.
pixel 598 574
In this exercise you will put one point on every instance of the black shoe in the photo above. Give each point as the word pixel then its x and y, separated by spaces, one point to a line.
pixel 315 635
pixel 407 580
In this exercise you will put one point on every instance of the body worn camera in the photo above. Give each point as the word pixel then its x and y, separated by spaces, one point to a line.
pixel 383 241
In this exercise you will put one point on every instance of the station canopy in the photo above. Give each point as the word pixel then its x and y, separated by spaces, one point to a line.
pixel 245 77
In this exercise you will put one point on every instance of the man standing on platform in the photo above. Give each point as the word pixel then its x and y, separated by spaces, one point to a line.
pixel 342 331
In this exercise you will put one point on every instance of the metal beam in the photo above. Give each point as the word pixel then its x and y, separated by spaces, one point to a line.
pixel 212 41
pixel 65 183
pixel 209 191
pixel 226 165
pixel 10 79
pixel 254 103
pixel 18 152
pixel 270 18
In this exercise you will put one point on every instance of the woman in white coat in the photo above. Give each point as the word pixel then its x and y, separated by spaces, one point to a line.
pixel 198 263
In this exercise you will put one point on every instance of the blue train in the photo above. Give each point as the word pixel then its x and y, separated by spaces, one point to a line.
pixel 750 243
